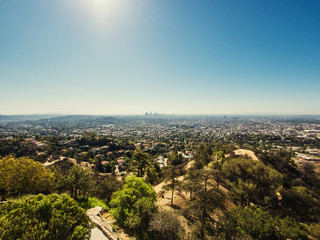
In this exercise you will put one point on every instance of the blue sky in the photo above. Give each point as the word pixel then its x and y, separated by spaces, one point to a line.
pixel 168 56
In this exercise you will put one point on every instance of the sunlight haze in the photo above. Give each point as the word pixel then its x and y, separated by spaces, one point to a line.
pixel 183 56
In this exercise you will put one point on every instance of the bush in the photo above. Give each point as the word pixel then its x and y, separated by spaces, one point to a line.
pixel 166 225
pixel 42 217
pixel 133 206
pixel 257 223
pixel 23 175
pixel 91 202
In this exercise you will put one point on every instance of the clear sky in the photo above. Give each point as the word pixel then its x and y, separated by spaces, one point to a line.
pixel 167 56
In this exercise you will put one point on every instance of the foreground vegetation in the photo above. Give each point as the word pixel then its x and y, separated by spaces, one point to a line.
pixel 225 197
pixel 50 217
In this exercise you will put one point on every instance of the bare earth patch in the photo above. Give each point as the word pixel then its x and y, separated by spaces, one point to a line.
pixel 245 152
pixel 179 199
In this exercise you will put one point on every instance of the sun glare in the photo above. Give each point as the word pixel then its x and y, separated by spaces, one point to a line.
pixel 105 16
pixel 102 10
pixel 108 13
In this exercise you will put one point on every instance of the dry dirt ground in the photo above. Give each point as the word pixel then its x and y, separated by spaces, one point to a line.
pixel 317 168
pixel 179 200
pixel 164 202
pixel 96 234
pixel 121 233
pixel 245 152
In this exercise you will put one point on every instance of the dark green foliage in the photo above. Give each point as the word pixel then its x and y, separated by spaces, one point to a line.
pixel 175 159
pixel 281 161
pixel 251 181
pixel 258 224
pixel 206 200
pixel 139 162
pixel 216 166
pixel 92 139
pixel 17 148
pixel 51 217
pixel 300 203
pixel 104 187
pixel 202 155
pixel 76 180
pixel 152 172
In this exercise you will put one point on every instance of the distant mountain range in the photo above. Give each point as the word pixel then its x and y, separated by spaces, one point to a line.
pixel 111 119
pixel 56 118
pixel 10 118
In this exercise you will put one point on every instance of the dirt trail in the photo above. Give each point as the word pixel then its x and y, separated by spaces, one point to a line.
pixel 47 163
pixel 164 197
pixel 95 215
pixel 179 199
pixel 108 218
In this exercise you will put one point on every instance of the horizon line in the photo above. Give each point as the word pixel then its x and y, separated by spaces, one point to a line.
pixel 164 114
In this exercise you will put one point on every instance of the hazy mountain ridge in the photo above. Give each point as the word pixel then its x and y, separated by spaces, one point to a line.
pixel 9 118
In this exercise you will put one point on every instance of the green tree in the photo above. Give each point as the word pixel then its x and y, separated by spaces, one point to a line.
pixel 79 181
pixel 175 158
pixel 133 205
pixel 256 223
pixel 300 202
pixel 51 217
pixel 105 187
pixel 172 183
pixel 23 175
pixel 251 181
pixel 139 162
pixel 202 156
pixel 173 172
pixel 152 172
pixel 206 200
pixel 220 157
pixel 216 166
pixel 76 180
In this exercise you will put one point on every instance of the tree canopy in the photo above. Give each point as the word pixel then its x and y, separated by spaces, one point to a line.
pixel 75 179
pixel 205 198
pixel 256 223
pixel 133 205
pixel 51 217
pixel 139 162
pixel 251 181
pixel 24 175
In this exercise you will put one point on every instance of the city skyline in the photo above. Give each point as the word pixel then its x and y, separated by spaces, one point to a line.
pixel 126 57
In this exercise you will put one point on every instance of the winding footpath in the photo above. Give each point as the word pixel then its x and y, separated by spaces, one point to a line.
pixel 103 227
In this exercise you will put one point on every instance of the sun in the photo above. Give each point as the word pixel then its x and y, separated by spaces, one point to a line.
pixel 100 9
pixel 104 17
pixel 103 10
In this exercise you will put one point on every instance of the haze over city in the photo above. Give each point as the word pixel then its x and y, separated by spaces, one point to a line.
pixel 184 57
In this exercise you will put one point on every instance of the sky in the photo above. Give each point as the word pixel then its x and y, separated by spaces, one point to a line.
pixel 114 57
